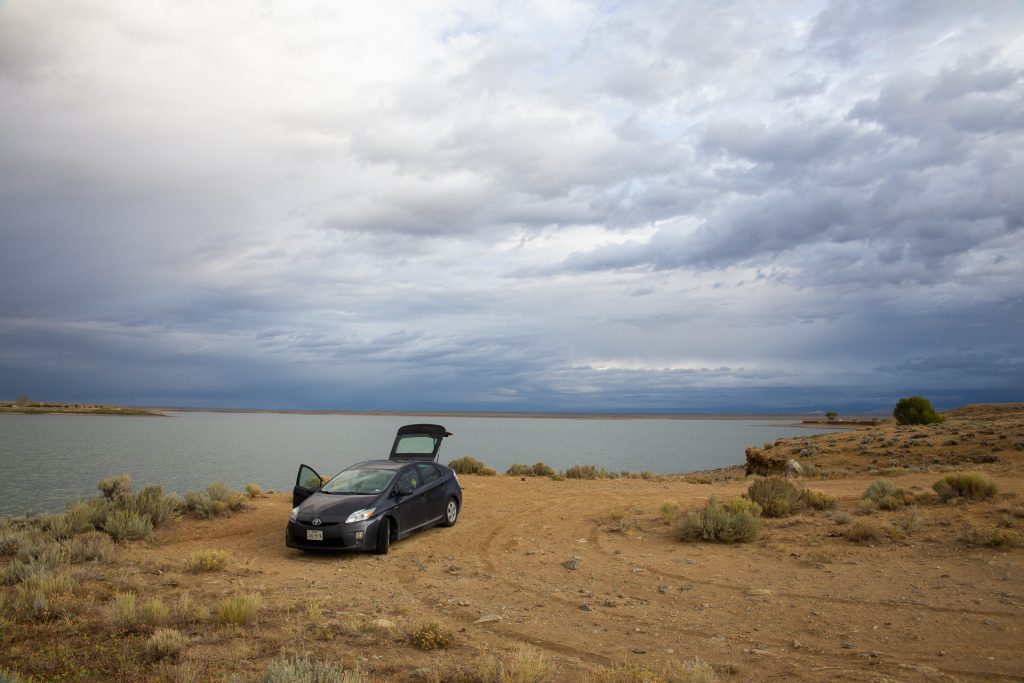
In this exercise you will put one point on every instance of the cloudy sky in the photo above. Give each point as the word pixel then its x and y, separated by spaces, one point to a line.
pixel 593 206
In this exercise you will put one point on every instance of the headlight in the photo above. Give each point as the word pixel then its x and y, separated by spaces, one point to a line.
pixel 295 514
pixel 360 515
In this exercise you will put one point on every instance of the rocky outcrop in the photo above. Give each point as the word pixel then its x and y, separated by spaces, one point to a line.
pixel 764 462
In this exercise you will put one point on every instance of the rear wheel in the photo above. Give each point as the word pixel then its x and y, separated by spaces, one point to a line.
pixel 383 537
pixel 451 512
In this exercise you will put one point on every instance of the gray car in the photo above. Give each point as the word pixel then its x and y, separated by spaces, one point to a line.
pixel 375 502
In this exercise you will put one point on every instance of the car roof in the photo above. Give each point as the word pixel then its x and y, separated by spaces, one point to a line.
pixel 387 464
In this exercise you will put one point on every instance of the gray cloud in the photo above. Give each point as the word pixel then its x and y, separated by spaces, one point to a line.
pixel 650 206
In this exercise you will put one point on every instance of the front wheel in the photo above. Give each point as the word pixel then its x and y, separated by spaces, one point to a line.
pixel 451 512
pixel 383 537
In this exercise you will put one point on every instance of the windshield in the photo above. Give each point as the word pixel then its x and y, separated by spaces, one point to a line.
pixel 360 481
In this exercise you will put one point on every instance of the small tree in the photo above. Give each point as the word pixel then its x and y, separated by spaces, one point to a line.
pixel 831 415
pixel 916 410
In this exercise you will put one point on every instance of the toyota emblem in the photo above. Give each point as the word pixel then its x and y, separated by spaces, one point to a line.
pixel 317 522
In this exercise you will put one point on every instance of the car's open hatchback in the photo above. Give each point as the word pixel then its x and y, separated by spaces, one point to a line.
pixel 418 442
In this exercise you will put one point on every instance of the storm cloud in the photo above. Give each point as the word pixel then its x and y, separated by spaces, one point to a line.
pixel 651 206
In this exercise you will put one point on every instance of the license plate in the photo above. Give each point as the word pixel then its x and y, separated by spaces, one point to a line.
pixel 314 535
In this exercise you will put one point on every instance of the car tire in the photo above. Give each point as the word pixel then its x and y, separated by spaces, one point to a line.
pixel 451 512
pixel 383 537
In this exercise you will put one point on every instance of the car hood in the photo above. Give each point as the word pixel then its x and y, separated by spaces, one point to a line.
pixel 330 507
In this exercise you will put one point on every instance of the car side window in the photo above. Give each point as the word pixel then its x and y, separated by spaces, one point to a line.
pixel 409 479
pixel 428 472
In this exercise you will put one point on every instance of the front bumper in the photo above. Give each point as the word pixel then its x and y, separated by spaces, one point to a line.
pixel 341 536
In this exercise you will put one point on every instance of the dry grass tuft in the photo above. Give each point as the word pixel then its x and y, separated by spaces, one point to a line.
pixel 668 511
pixel 207 560
pixel 253 490
pixel 693 671
pixel 302 670
pixel 239 609
pixel 525 665
pixel 122 613
pixel 165 643
pixel 154 612
pixel 581 472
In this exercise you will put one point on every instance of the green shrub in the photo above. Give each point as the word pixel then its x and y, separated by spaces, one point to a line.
pixel 207 560
pixel 581 472
pixel 302 670
pixel 116 488
pixel 432 636
pixel 976 485
pixel 668 511
pixel 253 490
pixel 776 496
pixel 151 502
pixel 165 643
pixel 218 499
pixel 466 465
pixel 125 525
pixel 734 522
pixel 916 410
pixel 880 489
pixel 239 609
pixel 539 469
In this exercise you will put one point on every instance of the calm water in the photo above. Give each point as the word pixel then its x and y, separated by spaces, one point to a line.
pixel 46 460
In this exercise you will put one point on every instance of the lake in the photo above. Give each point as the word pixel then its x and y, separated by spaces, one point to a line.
pixel 46 460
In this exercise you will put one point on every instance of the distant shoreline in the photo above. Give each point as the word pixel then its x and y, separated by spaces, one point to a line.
pixel 531 415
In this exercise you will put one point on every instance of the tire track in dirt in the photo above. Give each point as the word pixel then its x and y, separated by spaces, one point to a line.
pixel 912 606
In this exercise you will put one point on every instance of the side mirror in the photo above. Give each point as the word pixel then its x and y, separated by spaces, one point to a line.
pixel 403 491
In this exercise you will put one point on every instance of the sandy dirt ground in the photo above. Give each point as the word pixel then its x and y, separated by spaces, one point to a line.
pixel 802 602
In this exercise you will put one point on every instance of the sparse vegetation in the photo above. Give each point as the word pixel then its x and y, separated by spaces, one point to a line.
pixel 736 521
pixel 862 532
pixel 842 518
pixel 885 495
pixel 466 465
pixel 537 469
pixel 581 472
pixel 776 496
pixel 916 410
pixel 218 499
pixel 125 525
pixel 694 671
pixel 668 511
pixel 207 560
pixel 971 485
pixel 165 643
pixel 991 537
pixel 525 665
pixel 153 612
pixel 432 636
pixel 303 670
pixel 488 471
pixel 779 497
pixel 122 611
pixel 238 610
pixel 254 490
